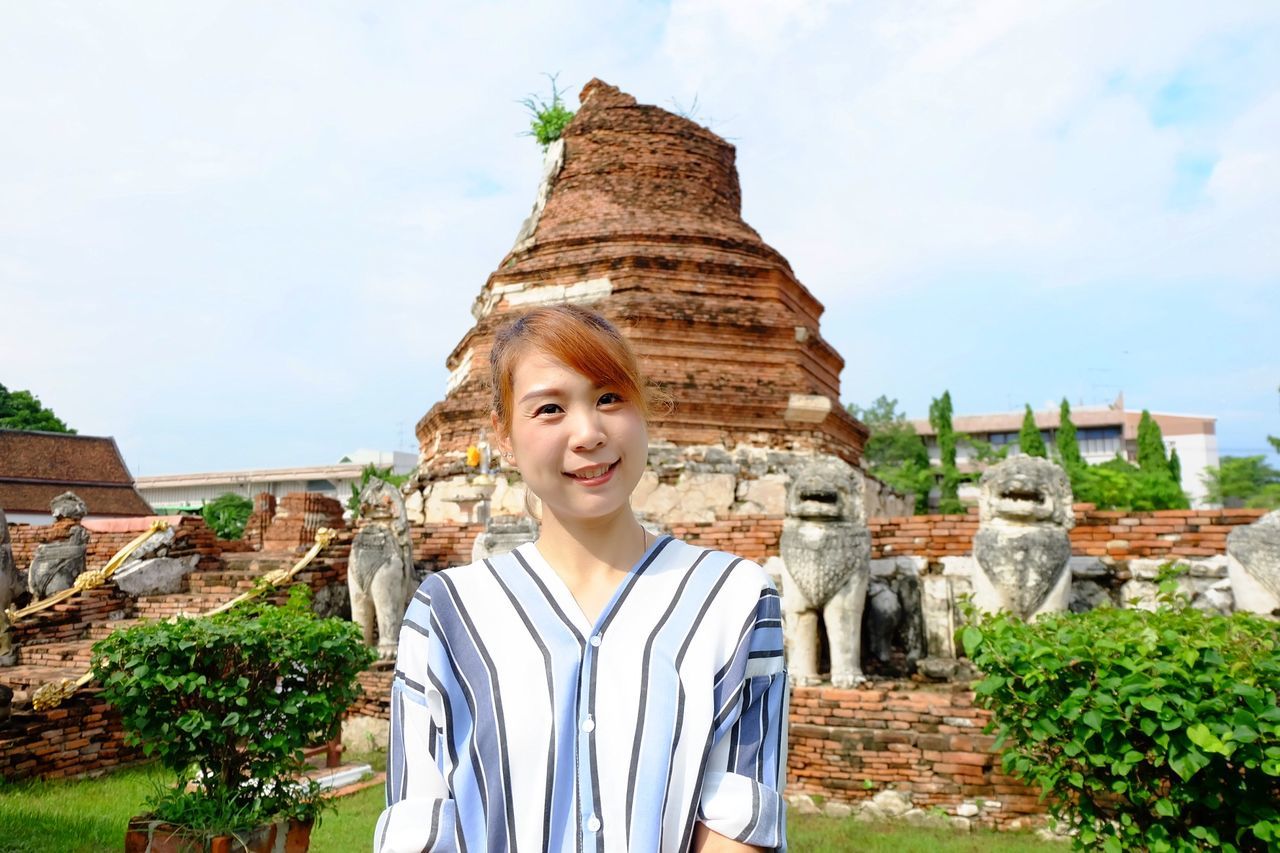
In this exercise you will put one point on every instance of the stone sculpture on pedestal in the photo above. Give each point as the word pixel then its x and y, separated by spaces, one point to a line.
pixel 10 589
pixel 826 555
pixel 56 565
pixel 1023 544
pixel 380 569
pixel 1256 550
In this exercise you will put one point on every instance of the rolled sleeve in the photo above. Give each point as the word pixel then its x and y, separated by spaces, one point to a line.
pixel 742 785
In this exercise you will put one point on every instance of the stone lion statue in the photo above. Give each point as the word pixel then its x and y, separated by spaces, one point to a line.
pixel 1256 550
pixel 380 569
pixel 826 555
pixel 10 589
pixel 1023 545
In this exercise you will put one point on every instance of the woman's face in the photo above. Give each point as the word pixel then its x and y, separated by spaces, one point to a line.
pixel 579 447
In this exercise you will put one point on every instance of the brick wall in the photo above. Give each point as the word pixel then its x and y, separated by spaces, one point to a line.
pixel 106 537
pixel 1120 535
pixel 440 546
pixel 752 536
pixel 926 740
pixel 82 736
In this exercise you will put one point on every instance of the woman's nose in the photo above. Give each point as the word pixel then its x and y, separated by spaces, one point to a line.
pixel 587 431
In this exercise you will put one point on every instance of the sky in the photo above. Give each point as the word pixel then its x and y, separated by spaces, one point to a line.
pixel 243 235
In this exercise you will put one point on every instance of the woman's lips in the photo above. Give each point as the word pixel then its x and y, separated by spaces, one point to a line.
pixel 594 475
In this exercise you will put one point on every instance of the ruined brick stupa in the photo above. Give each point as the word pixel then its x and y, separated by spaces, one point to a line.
pixel 639 216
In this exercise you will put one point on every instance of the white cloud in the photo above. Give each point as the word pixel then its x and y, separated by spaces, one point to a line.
pixel 279 214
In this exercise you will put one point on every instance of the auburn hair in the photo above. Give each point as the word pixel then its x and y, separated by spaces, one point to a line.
pixel 580 338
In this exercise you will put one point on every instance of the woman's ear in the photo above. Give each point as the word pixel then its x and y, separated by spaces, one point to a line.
pixel 503 439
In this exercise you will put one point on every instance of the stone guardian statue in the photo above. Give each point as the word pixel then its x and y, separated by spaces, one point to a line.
pixel 380 568
pixel 56 565
pixel 1254 564
pixel 10 589
pixel 1023 544
pixel 826 556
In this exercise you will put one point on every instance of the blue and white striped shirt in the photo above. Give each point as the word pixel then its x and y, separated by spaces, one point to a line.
pixel 517 725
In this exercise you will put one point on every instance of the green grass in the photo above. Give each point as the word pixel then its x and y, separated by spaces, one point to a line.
pixel 88 816
pixel 84 816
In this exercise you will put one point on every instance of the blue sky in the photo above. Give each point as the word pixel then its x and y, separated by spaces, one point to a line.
pixel 243 235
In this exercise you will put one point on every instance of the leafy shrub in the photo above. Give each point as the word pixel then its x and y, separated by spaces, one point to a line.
pixel 1147 730
pixel 227 515
pixel 227 703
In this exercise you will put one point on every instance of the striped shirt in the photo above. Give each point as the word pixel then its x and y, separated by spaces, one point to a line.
pixel 518 725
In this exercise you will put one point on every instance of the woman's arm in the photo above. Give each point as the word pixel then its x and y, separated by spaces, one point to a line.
pixel 707 841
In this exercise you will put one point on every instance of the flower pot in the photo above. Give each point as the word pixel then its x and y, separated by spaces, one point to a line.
pixel 146 834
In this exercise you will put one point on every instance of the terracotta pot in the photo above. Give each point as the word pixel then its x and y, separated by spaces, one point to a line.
pixel 145 834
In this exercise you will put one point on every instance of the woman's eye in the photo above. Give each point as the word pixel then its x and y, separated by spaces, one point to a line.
pixel 547 409
pixel 610 399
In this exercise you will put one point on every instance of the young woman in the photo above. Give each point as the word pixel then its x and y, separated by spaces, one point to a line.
pixel 603 688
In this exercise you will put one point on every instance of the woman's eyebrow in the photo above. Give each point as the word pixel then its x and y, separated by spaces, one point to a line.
pixel 542 392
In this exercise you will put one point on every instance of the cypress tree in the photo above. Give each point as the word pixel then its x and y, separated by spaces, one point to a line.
pixel 1175 466
pixel 1151 455
pixel 1030 441
pixel 940 419
pixel 1068 445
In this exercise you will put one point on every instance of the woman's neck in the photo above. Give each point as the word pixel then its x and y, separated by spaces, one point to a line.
pixel 583 550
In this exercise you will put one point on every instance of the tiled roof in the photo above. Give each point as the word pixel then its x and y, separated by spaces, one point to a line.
pixel 35 467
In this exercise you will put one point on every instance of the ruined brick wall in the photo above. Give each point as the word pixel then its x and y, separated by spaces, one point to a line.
pixel 297 517
pixel 107 536
pixel 82 736
pixel 1116 534
pixel 926 740
pixel 754 537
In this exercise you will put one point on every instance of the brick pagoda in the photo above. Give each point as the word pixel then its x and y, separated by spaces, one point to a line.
pixel 639 216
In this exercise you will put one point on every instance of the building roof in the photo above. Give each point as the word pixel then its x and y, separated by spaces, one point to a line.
pixel 1085 416
pixel 341 471
pixel 36 467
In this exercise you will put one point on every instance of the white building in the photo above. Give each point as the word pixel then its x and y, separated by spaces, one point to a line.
pixel 178 492
pixel 1102 431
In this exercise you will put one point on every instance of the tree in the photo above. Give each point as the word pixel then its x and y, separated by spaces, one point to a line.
pixel 23 410
pixel 895 454
pixel 1067 443
pixel 227 514
pixel 1175 466
pixel 940 412
pixel 1029 439
pixel 367 473
pixel 1151 453
pixel 1118 484
pixel 1243 481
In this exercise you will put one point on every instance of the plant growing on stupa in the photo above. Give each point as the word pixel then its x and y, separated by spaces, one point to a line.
pixel 547 120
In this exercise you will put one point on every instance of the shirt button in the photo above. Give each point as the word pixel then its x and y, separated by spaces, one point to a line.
pixel 595 640
pixel 593 823
pixel 588 725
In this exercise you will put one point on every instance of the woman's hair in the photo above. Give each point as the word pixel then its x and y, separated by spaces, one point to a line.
pixel 580 338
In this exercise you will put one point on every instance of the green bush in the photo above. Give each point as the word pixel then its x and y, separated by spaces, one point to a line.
pixel 1146 730
pixel 227 515
pixel 227 704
